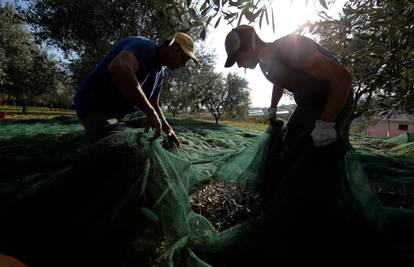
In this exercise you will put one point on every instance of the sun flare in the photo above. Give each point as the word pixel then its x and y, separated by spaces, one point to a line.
pixel 288 17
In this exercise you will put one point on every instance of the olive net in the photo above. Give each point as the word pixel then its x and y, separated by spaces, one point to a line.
pixel 228 197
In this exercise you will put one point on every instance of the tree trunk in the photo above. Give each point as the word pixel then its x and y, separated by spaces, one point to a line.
pixel 216 120
pixel 350 115
pixel 24 108
pixel 347 128
pixel 51 106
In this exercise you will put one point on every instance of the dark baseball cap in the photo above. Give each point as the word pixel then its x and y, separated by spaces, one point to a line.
pixel 233 43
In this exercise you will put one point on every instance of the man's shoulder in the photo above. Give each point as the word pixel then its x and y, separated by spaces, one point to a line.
pixel 143 48
pixel 301 45
pixel 294 39
pixel 139 40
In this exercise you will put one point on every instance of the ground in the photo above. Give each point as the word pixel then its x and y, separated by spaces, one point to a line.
pixel 33 143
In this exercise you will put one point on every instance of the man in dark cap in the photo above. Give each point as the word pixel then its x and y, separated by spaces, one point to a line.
pixel 320 84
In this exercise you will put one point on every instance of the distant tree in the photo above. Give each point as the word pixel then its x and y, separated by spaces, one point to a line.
pixel 214 95
pixel 198 86
pixel 183 89
pixel 175 95
pixel 228 95
pixel 60 92
pixel 237 100
pixel 3 66
pixel 27 74
pixel 15 53
pixel 202 75
pixel 26 71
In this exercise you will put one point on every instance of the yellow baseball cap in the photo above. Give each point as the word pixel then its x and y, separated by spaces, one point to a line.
pixel 186 43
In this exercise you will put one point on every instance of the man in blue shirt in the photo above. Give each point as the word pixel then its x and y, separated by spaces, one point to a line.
pixel 129 77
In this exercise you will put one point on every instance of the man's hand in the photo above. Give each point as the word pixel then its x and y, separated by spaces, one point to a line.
pixel 271 114
pixel 324 133
pixel 173 137
pixel 153 122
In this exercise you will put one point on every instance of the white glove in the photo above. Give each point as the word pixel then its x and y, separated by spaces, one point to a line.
pixel 324 133
pixel 271 113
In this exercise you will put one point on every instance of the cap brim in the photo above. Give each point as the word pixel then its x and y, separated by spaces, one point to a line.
pixel 230 61
pixel 190 54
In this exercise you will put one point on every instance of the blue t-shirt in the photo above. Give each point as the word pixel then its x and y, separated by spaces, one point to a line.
pixel 97 93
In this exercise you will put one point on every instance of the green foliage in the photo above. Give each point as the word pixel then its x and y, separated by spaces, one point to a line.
pixel 27 75
pixel 237 100
pixel 3 74
pixel 182 88
pixel 375 40
pixel 233 11
pixel 175 95
pixel 15 50
pixel 198 86
pixel 228 95
pixel 214 95
pixel 85 30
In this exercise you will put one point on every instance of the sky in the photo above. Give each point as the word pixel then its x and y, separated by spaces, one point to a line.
pixel 288 16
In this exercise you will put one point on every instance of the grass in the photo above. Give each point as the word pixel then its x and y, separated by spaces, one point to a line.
pixel 248 125
pixel 245 125
pixel 259 123
pixel 252 124
pixel 15 112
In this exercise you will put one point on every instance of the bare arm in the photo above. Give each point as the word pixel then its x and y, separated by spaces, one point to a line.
pixel 165 126
pixel 305 56
pixel 277 94
pixel 339 79
pixel 122 70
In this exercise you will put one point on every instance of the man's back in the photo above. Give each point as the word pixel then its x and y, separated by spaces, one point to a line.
pixel 97 94
pixel 277 69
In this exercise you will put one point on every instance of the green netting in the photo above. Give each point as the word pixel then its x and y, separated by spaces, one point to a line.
pixel 125 201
